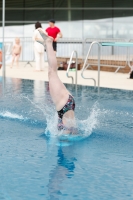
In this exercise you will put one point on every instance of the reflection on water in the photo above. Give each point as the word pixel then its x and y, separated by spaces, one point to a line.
pixel 10 84
pixel 17 82
pixel 63 170
pixel 39 90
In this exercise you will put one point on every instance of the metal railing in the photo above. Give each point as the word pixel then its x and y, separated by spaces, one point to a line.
pixel 86 64
pixel 66 45
pixel 110 56
pixel 27 54
pixel 69 64
pixel 126 45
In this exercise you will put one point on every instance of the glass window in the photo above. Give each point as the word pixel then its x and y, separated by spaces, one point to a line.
pixel 14 15
pixel 60 3
pixel 122 13
pixel 14 4
pixel 97 14
pixel 39 3
pixel 38 15
pixel 98 3
pixel 77 3
pixel 123 4
pixel 76 15
pixel 61 15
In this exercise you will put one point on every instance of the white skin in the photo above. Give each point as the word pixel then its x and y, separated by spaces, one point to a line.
pixel 16 51
pixel 58 91
pixel 59 35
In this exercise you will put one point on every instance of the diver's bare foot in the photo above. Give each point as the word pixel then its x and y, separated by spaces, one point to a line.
pixel 44 34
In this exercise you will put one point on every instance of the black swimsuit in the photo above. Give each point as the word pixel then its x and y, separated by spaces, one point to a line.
pixel 70 105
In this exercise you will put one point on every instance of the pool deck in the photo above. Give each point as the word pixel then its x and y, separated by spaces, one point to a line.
pixel 107 79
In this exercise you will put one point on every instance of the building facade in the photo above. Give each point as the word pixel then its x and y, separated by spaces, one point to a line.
pixel 76 18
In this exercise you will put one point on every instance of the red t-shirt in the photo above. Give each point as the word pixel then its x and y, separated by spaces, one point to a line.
pixel 53 31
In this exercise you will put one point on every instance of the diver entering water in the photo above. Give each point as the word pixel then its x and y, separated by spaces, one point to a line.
pixel 63 100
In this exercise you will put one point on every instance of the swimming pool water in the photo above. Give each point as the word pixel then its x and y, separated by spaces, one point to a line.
pixel 35 164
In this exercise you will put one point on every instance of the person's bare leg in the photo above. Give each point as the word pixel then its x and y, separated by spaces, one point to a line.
pixel 17 61
pixel 58 91
pixel 13 58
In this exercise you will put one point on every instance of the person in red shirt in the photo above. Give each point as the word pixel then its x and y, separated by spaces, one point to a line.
pixel 54 32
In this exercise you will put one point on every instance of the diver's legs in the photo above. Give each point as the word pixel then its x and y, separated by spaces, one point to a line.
pixel 58 91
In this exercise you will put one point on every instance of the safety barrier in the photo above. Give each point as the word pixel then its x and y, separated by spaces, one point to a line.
pixel 27 51
pixel 27 54
pixel 111 56
pixel 64 48
pixel 102 45
pixel 67 45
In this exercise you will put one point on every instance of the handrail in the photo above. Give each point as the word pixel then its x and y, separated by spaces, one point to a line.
pixel 70 61
pixel 85 63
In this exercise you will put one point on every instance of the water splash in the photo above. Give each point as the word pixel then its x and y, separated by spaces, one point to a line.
pixel 34 104
pixel 10 115
pixel 85 127
pixel 48 112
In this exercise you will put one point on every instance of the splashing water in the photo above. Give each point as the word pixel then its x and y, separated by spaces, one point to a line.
pixel 10 115
pixel 50 115
pixel 84 127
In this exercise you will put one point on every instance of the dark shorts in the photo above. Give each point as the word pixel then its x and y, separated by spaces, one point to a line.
pixel 55 46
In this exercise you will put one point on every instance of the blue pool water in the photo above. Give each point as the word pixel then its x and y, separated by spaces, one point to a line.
pixel 35 164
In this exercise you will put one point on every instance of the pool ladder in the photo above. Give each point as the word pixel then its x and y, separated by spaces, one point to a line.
pixel 69 65
pixel 86 63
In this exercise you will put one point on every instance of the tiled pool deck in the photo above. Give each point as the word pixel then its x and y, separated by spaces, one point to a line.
pixel 107 79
